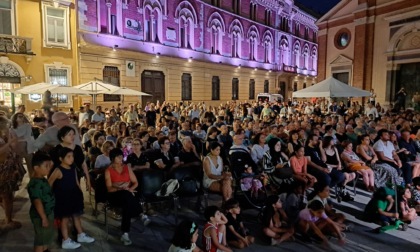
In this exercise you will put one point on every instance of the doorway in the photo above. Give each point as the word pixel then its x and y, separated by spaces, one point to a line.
pixel 153 83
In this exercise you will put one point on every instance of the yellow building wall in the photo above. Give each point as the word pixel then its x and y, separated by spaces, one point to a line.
pixel 93 59
pixel 29 24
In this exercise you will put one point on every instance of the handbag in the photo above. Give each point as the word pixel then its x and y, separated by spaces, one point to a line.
pixel 188 185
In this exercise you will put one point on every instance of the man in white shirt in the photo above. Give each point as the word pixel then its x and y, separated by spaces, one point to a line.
pixel 83 115
pixel 194 113
pixel 371 110
pixel 387 154
pixel 131 115
pixel 98 116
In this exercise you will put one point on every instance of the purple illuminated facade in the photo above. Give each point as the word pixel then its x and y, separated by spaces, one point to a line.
pixel 259 34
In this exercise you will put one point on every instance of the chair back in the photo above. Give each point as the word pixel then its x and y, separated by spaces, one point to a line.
pixel 100 189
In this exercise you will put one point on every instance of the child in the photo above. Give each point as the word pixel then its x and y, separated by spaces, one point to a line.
pixel 237 235
pixel 42 199
pixel 407 214
pixel 69 199
pixel 293 202
pixel 126 147
pixel 214 234
pixel 415 192
pixel 378 209
pixel 273 219
pixel 314 218
pixel 321 193
pixel 250 182
pixel 185 237
pixel 299 164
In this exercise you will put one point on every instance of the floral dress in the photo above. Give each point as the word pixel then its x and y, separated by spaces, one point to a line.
pixel 11 171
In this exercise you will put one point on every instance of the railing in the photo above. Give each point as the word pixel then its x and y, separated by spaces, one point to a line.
pixel 15 44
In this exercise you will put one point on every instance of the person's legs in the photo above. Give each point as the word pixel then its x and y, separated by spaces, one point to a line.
pixel 416 170
pixel 337 177
pixel 226 188
pixel 64 228
pixel 7 204
pixel 78 224
pixel 407 173
pixel 320 176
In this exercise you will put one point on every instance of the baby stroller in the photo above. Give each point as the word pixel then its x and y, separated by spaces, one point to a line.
pixel 247 185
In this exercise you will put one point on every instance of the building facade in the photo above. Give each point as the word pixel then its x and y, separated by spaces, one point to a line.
pixel 38 43
pixel 208 50
pixel 372 44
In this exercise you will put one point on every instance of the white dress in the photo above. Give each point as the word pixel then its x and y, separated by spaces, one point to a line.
pixel 215 170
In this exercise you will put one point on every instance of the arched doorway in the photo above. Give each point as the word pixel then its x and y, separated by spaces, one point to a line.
pixel 153 83
pixel 10 78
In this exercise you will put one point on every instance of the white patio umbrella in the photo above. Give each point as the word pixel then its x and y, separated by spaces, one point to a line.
pixel 127 92
pixel 54 89
pixel 28 89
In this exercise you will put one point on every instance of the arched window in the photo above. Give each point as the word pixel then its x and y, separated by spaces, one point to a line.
pixel 296 55
pixel 236 6
pixel 284 51
pixel 268 38
pixel 314 56
pixel 295 87
pixel 305 54
pixel 216 27
pixel 236 31
pixel 152 21
pixel 186 17
pixel 253 36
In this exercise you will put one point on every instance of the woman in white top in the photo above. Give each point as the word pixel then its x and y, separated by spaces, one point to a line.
pixel 23 131
pixel 259 148
pixel 214 178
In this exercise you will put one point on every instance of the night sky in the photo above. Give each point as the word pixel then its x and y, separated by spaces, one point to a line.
pixel 319 6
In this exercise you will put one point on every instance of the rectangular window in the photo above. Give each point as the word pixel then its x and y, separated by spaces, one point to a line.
pixel 59 75
pixel 56 29
pixel 266 86
pixel 215 87
pixel 7 17
pixel 111 75
pixel 295 87
pixel 236 6
pixel 251 89
pixel 186 87
pixel 235 89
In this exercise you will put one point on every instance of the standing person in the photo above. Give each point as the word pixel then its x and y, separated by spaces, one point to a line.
pixel 89 111
pixel 66 135
pixel 372 98
pixel 98 116
pixel 121 184
pixel 185 238
pixel 400 99
pixel 66 186
pixel 83 115
pixel 131 115
pixel 11 173
pixel 23 130
pixel 151 116
pixel 43 202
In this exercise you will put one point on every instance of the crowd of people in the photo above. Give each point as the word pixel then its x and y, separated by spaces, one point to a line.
pixel 294 151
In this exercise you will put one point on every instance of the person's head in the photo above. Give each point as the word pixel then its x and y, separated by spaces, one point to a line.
pixel 317 208
pixel 66 156
pixel 60 119
pixel 300 152
pixel 116 156
pixel 66 135
pixel 313 140
pixel 364 139
pixel 214 148
pixel 98 139
pixel 164 143
pixel 405 193
pixel 137 144
pixel 172 136
pixel 107 147
pixel 185 234
pixel 232 206
pixel 273 201
pixel 347 145
pixel 322 190
pixel 393 137
pixel 327 141
pixel 274 144
pixel 212 214
pixel 293 135
pixel 259 138
pixel 98 109
pixel 383 134
pixel 18 119
pixel 405 135
pixel 212 131
pixel 187 143
pixel 41 163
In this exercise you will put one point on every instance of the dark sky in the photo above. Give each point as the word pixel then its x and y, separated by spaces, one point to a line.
pixel 319 6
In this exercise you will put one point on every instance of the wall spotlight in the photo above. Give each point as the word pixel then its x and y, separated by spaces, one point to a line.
pixel 114 48
pixel 239 66
pixel 190 59
pixel 269 71
pixel 255 69
pixel 157 55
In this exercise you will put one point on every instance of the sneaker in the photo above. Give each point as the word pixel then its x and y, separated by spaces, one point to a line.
pixel 82 237
pixel 145 219
pixel 274 242
pixel 69 244
pixel 347 197
pixel 125 239
pixel 349 228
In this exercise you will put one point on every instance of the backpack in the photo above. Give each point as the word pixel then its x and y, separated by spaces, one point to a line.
pixel 168 187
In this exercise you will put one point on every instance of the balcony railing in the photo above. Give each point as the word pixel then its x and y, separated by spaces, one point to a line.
pixel 15 45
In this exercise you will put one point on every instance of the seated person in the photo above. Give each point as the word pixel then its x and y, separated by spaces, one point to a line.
pixel 165 161
pixel 378 210
pixel 299 165
pixel 408 214
pixel 188 155
pixel 214 232
pixel 236 234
